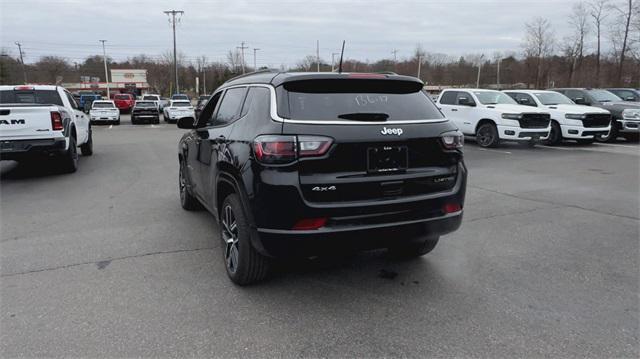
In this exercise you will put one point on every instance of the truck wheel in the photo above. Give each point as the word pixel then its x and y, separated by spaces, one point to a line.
pixel 555 136
pixel 487 135
pixel 187 200
pixel 133 120
pixel 118 122
pixel 87 147
pixel 243 263
pixel 413 249
pixel 69 160
pixel 613 134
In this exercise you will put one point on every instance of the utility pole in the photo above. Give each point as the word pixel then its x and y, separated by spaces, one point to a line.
pixel 242 47
pixel 106 77
pixel 255 64
pixel 172 20
pixel 479 68
pixel 395 59
pixel 419 64
pixel 498 76
pixel 333 61
pixel 204 81
pixel 318 55
pixel 24 70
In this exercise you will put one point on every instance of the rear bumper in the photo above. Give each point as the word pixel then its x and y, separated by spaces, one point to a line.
pixel 283 243
pixel 105 118
pixel 522 134
pixel 360 225
pixel 23 149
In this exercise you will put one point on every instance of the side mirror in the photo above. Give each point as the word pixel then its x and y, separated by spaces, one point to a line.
pixel 185 123
pixel 580 101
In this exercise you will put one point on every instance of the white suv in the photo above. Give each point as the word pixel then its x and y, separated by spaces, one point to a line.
pixel 492 116
pixel 568 120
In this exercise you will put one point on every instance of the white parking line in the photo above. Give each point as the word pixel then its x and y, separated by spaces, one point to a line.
pixel 110 126
pixel 498 151
pixel 612 145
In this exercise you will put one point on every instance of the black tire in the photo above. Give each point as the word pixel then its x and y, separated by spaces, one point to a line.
pixel 413 249
pixel 487 135
pixel 157 120
pixel 87 147
pixel 244 265
pixel 118 122
pixel 613 134
pixel 586 141
pixel 133 120
pixel 187 200
pixel 555 135
pixel 69 160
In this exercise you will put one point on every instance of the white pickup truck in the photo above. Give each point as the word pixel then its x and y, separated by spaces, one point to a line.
pixel 43 121
pixel 568 120
pixel 492 116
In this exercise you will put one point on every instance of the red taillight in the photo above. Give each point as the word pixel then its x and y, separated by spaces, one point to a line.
pixel 275 149
pixel 56 121
pixel 23 88
pixel 453 140
pixel 451 208
pixel 309 224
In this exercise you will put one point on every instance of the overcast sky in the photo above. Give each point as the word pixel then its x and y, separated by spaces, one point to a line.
pixel 284 31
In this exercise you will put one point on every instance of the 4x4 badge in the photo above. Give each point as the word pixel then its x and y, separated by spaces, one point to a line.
pixel 323 189
pixel 391 131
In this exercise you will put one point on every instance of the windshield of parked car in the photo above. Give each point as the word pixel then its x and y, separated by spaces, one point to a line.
pixel 358 100
pixel 145 104
pixel 121 97
pixel 603 96
pixel 179 97
pixel 149 97
pixel 494 98
pixel 553 98
pixel 45 97
pixel 103 105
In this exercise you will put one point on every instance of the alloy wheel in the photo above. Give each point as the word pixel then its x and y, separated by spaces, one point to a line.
pixel 230 238
pixel 485 136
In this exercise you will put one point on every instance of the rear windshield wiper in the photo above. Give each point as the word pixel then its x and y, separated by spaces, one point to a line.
pixel 365 116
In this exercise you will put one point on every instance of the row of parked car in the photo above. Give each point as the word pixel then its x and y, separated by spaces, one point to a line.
pixel 147 109
pixel 581 114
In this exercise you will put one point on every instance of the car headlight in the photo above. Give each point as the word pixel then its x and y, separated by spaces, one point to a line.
pixel 575 116
pixel 511 116
pixel 631 114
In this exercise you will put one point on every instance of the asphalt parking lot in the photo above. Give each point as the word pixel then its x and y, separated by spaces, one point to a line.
pixel 105 263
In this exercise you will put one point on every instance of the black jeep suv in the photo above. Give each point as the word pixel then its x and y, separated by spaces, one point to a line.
pixel 304 163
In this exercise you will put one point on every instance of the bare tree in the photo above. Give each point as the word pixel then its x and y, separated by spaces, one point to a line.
pixel 538 44
pixel 234 59
pixel 621 28
pixel 579 22
pixel 597 11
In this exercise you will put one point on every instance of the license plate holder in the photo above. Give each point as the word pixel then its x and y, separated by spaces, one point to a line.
pixel 385 159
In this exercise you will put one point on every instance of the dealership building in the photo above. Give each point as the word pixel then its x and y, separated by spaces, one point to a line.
pixel 122 81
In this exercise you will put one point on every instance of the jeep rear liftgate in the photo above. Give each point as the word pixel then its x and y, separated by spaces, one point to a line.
pixel 381 147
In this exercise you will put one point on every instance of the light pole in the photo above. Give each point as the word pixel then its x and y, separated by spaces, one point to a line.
pixel 172 20
pixel 104 58
pixel 498 76
pixel 241 48
pixel 419 63
pixel 24 70
pixel 333 60
pixel 479 68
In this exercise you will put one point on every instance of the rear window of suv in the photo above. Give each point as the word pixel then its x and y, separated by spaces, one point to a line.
pixel 357 100
pixel 44 97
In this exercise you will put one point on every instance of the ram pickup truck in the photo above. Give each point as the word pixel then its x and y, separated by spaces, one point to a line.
pixel 568 120
pixel 625 115
pixel 492 116
pixel 104 111
pixel 627 94
pixel 43 122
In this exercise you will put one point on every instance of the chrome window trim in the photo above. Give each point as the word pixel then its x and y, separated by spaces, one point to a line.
pixel 273 109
